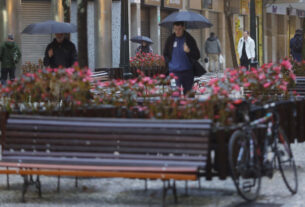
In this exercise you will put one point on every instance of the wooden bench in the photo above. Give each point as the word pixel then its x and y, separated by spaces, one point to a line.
pixel 108 73
pixel 299 87
pixel 104 147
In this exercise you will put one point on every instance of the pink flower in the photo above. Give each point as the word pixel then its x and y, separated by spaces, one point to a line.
pixel 216 89
pixel 247 84
pixel 236 87
pixel 233 72
pixel 292 76
pixel 266 85
pixel 213 81
pixel 277 69
pixel 231 106
pixel 286 64
pixel 162 76
pixel 176 93
pixel 202 90
pixel 283 87
pixel 262 76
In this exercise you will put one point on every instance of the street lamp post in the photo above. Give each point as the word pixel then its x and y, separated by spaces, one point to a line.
pixel 253 21
pixel 124 53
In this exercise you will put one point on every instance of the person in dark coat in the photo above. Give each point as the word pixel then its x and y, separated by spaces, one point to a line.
pixel 60 53
pixel 296 45
pixel 180 52
pixel 9 56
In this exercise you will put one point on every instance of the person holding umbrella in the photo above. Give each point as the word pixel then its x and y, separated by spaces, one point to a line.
pixel 60 53
pixel 180 51
pixel 145 44
pixel 144 48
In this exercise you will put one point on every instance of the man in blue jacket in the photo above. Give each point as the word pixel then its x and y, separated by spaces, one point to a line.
pixel 180 52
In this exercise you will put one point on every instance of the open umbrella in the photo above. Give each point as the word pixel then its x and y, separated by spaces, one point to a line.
pixel 191 19
pixel 140 39
pixel 50 27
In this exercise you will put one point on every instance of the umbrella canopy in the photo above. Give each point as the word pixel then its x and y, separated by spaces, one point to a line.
pixel 140 39
pixel 192 20
pixel 50 27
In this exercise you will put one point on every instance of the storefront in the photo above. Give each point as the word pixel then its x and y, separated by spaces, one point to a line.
pixel 33 46
pixel 150 18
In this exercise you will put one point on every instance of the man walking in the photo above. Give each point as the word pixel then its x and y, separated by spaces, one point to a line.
pixel 246 50
pixel 60 53
pixel 9 56
pixel 180 52
pixel 296 45
pixel 213 50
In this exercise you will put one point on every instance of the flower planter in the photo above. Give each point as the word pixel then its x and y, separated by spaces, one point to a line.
pixel 148 71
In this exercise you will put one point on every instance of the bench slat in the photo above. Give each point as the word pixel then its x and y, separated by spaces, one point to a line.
pixel 106 162
pixel 110 130
pixel 109 156
pixel 109 149
pixel 122 137
pixel 114 174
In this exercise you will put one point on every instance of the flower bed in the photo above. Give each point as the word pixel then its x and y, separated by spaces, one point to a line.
pixel 148 63
pixel 61 90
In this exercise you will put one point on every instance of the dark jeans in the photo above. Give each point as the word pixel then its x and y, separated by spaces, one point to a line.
pixel 185 79
pixel 5 72
pixel 245 62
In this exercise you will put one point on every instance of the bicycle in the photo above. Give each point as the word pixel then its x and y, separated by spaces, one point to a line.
pixel 249 160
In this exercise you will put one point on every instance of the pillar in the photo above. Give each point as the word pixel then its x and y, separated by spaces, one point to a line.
pixel 135 24
pixel 103 33
pixel 13 15
pixel 222 34
pixel 274 27
pixel 155 30
pixel 3 21
pixel 57 10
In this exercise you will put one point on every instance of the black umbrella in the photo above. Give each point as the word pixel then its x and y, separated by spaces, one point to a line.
pixel 140 39
pixel 191 19
pixel 50 27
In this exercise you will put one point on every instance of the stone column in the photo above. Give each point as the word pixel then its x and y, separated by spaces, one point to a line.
pixel 57 10
pixel 274 26
pixel 3 21
pixel 155 31
pixel 222 34
pixel 135 24
pixel 13 15
pixel 103 33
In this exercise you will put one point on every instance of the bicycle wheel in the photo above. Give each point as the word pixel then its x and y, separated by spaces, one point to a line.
pixel 286 162
pixel 246 173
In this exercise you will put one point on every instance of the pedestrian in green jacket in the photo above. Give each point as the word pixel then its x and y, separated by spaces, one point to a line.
pixel 9 56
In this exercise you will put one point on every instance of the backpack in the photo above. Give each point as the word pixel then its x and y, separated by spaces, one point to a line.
pixel 297 45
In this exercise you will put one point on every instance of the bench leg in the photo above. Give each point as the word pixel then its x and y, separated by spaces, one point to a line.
pixel 38 186
pixel 186 188
pixel 76 182
pixel 175 192
pixel 7 180
pixel 145 185
pixel 58 184
pixel 24 187
pixel 166 186
pixel 199 183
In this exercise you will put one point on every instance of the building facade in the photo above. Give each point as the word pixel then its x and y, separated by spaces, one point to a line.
pixel 275 25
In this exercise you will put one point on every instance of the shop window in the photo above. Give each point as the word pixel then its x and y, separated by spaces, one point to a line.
pixel 207 4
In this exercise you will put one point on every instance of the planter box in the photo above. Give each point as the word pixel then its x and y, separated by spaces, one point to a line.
pixel 148 71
